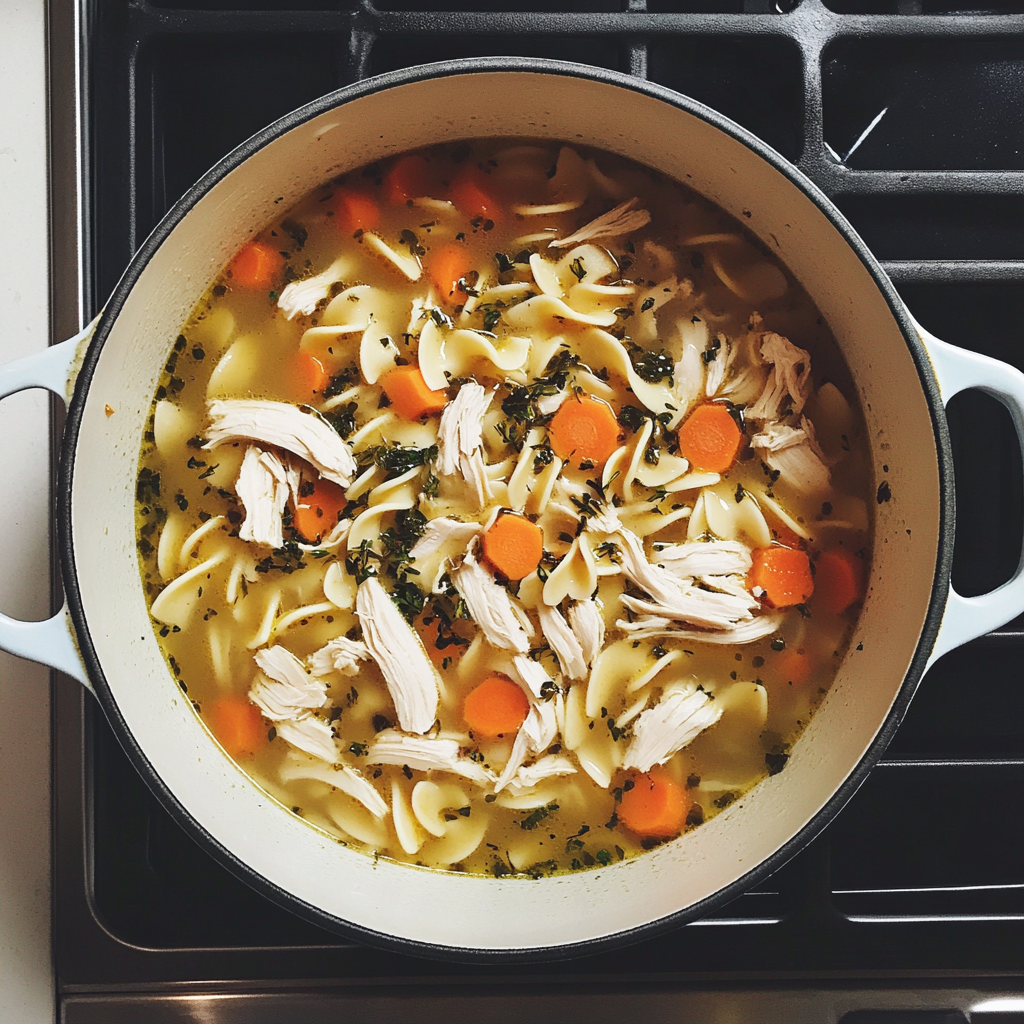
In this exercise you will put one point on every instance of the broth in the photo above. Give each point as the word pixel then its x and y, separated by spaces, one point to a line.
pixel 503 509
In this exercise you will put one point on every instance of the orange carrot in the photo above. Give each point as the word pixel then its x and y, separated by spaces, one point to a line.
pixel 237 723
pixel 354 211
pixel 710 438
pixel 839 580
pixel 584 428
pixel 406 179
pixel 312 374
pixel 514 545
pixel 471 200
pixel 410 397
pixel 656 805
pixel 257 265
pixel 791 667
pixel 316 514
pixel 783 574
pixel 495 707
pixel 447 268
pixel 787 536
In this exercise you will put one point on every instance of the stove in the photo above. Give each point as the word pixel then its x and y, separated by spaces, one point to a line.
pixel 907 113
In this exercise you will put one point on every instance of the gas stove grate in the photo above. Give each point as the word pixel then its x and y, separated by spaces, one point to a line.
pixel 907 114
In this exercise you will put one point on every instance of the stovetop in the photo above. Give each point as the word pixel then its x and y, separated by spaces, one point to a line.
pixel 908 114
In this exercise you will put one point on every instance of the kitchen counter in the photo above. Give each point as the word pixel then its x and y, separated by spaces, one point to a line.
pixel 26 971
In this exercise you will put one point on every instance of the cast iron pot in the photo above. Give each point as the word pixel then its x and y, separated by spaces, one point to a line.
pixel 911 616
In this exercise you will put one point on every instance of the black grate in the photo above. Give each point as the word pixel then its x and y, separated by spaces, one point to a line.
pixel 923 871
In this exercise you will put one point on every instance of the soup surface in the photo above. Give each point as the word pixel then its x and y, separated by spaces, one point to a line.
pixel 503 509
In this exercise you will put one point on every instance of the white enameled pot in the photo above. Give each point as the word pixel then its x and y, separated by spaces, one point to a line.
pixel 911 616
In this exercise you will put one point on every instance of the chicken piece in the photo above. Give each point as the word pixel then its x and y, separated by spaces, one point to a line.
pixel 562 641
pixel 425 753
pixel 263 488
pixel 491 607
pixel 305 434
pixel 338 655
pixel 410 675
pixel 536 734
pixel 304 296
pixel 460 440
pixel 312 735
pixel 790 378
pixel 283 689
pixel 681 715
pixel 529 775
pixel 649 626
pixel 794 453
pixel 673 598
pixel 587 624
pixel 531 675
pixel 619 221
pixel 705 558
pixel 439 532
pixel 341 776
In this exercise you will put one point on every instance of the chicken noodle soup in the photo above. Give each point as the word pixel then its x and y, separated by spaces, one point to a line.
pixel 503 509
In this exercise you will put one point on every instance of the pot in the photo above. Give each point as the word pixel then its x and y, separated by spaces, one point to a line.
pixel 103 636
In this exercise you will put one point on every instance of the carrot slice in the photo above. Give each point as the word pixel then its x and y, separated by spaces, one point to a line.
pixel 656 805
pixel 783 574
pixel 471 200
pixel 354 211
pixel 316 513
pixel 406 179
pixel 584 428
pixel 710 438
pixel 257 265
pixel 447 268
pixel 312 374
pixel 410 397
pixel 495 707
pixel 792 667
pixel 514 545
pixel 838 580
pixel 237 723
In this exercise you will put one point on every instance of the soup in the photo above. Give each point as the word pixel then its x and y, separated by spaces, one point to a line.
pixel 503 509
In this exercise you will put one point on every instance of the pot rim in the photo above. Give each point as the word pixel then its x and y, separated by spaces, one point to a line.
pixel 66 468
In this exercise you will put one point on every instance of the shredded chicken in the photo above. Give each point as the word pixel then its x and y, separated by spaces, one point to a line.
pixel 587 624
pixel 339 655
pixel 460 440
pixel 649 626
pixel 312 735
pixel 530 775
pixel 532 675
pixel 490 606
pixel 282 689
pixel 342 776
pixel 795 454
pixel 705 558
pixel 425 753
pixel 263 488
pixel 409 673
pixel 305 434
pixel 790 378
pixel 562 641
pixel 620 221
pixel 304 296
pixel 439 532
pixel 681 715
pixel 536 734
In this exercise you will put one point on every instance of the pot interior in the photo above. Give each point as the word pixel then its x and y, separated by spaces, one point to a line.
pixel 289 859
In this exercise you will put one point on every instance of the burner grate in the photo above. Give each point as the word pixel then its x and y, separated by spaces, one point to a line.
pixel 936 187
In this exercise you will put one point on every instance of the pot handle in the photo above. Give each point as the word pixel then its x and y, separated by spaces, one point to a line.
pixel 957 369
pixel 52 641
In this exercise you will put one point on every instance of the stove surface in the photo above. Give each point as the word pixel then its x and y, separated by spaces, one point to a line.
pixel 907 114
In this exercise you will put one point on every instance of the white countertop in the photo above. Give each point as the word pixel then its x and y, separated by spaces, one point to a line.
pixel 26 972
